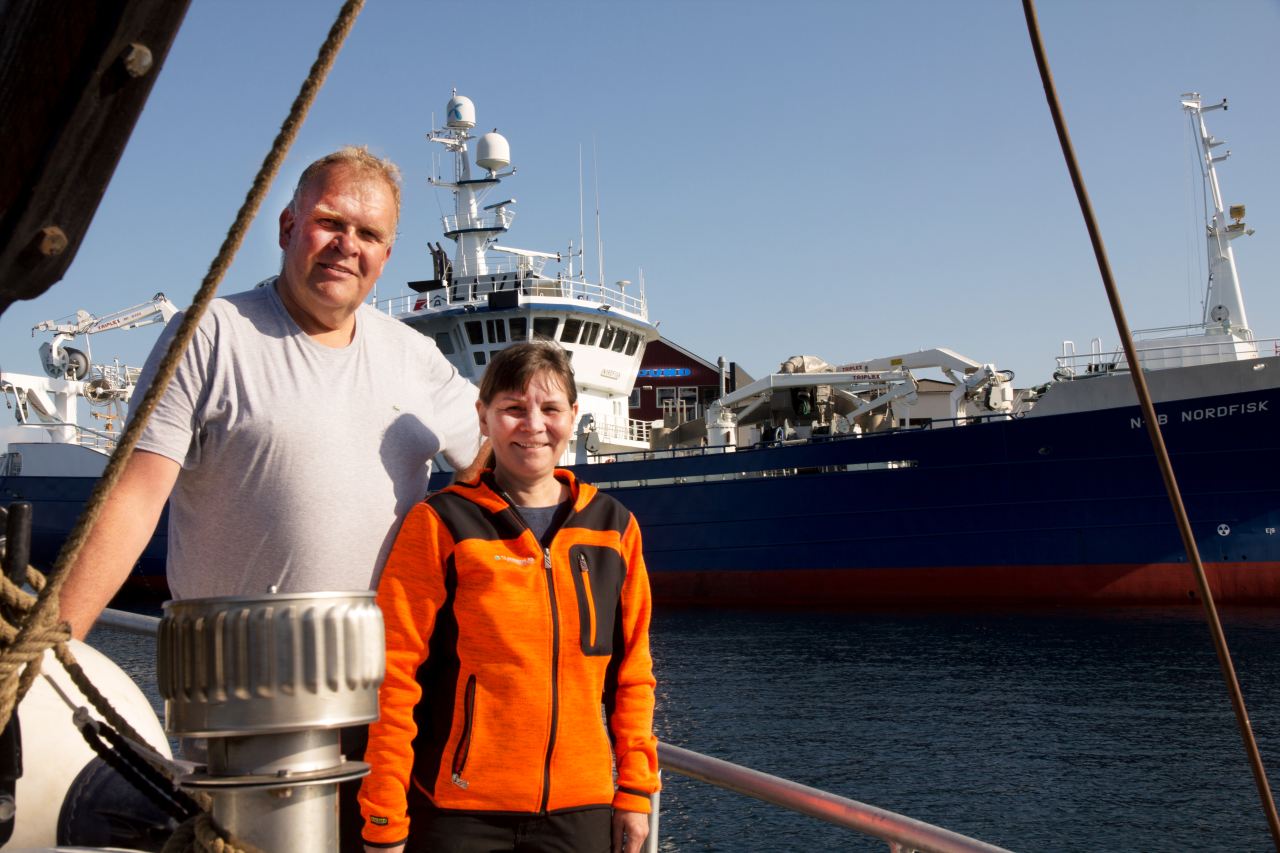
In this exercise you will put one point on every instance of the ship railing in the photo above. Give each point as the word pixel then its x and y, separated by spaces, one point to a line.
pixel 628 429
pixel 81 435
pixel 1155 356
pixel 474 292
pixel 500 221
pixel 916 425
pixel 902 834
pixel 501 264
pixel 899 832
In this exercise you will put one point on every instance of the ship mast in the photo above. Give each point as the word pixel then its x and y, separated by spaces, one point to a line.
pixel 1224 304
pixel 471 226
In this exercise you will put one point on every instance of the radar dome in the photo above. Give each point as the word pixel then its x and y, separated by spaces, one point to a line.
pixel 461 112
pixel 493 152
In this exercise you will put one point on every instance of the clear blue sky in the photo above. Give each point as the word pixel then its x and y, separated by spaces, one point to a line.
pixel 843 179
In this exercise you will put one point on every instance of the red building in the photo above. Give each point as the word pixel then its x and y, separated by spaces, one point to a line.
pixel 673 379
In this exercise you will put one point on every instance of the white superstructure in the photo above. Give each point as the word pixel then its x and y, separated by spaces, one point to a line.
pixel 488 296
pixel 1223 333
pixel 47 408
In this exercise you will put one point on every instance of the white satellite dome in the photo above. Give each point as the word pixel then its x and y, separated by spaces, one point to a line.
pixel 493 152
pixel 461 112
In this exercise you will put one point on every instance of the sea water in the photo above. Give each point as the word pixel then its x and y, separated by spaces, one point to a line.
pixel 1038 731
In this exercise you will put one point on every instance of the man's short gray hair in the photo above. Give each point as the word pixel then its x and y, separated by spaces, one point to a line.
pixel 359 159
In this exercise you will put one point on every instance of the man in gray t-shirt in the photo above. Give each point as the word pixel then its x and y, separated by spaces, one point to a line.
pixel 301 423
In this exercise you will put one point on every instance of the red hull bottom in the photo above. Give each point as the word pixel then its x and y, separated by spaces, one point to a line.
pixel 1158 583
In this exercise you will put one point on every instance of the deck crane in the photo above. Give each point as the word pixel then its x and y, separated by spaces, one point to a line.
pixel 64 362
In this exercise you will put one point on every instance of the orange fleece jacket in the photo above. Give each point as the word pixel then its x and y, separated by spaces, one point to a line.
pixel 499 657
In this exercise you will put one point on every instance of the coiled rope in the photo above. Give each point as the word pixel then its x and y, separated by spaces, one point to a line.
pixel 39 627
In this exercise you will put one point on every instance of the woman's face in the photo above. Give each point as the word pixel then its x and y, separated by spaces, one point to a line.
pixel 530 429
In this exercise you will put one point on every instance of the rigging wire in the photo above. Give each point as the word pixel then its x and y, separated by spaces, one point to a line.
pixel 1153 429
pixel 1205 216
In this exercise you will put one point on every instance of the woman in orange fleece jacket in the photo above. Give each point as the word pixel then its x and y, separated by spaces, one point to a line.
pixel 515 606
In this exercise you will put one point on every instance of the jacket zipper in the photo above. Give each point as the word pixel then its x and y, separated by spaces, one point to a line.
pixel 591 602
pixel 464 742
pixel 555 678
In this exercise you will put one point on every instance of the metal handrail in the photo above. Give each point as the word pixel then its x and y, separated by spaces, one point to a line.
pixel 902 833
pixel 1148 352
pixel 134 623
pixel 475 292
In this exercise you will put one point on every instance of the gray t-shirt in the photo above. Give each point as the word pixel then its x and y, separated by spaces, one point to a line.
pixel 299 460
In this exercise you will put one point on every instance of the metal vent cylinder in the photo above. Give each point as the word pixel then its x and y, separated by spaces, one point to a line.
pixel 241 665
pixel 269 681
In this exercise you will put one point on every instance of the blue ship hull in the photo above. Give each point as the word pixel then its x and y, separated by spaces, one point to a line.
pixel 1057 509
pixel 1065 508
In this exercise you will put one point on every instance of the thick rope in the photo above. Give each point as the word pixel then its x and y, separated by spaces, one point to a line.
pixel 120 757
pixel 40 630
pixel 1153 431
pixel 202 834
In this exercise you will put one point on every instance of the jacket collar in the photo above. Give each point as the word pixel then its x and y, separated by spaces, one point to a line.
pixel 484 490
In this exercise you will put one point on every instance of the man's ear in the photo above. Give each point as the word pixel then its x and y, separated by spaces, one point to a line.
pixel 286 227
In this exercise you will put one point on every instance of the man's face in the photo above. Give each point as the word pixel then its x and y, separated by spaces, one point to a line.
pixel 335 246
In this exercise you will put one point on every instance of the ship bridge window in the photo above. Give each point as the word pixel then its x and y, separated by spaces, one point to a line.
pixel 606 340
pixel 444 342
pixel 497 330
pixel 590 334
pixel 475 332
pixel 620 340
pixel 572 328
pixel 544 328
pixel 633 341
pixel 478 357
pixel 519 328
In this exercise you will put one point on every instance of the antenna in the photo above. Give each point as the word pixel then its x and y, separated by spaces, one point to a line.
pixel 582 240
pixel 595 168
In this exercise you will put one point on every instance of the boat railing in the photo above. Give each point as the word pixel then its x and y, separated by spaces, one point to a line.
pixel 1179 351
pixel 70 433
pixel 902 834
pixel 501 264
pixel 499 221
pixel 627 429
pixel 711 450
pixel 475 291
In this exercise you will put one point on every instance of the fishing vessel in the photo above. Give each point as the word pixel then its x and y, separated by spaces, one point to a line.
pixel 816 486
pixel 54 458
pixel 848 485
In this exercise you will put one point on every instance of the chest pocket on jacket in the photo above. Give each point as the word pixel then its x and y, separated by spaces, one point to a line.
pixel 597 579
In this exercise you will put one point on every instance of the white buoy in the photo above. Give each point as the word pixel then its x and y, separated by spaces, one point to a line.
pixel 54 753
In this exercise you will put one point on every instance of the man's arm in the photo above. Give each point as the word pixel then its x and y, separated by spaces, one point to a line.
pixel 484 459
pixel 124 527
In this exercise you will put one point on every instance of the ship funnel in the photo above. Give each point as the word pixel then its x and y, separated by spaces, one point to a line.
pixel 461 112
pixel 493 152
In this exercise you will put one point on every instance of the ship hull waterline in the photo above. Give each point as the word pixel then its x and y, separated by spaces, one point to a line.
pixel 1059 509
